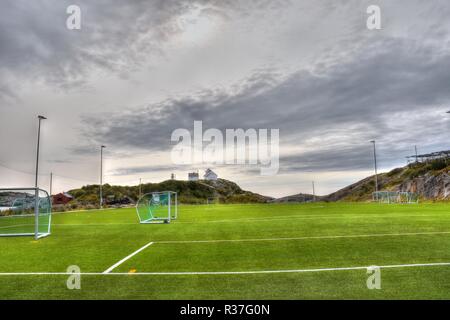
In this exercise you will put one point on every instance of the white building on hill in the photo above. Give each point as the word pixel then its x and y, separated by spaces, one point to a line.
pixel 210 175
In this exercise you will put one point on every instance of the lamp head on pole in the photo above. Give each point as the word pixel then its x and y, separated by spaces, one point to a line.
pixel 42 118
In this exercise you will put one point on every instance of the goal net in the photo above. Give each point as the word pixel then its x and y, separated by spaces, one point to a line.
pixel 395 197
pixel 25 212
pixel 157 207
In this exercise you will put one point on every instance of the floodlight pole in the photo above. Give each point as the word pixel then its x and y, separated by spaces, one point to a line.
pixel 314 192
pixel 140 188
pixel 375 162
pixel 417 159
pixel 36 191
pixel 51 183
pixel 101 176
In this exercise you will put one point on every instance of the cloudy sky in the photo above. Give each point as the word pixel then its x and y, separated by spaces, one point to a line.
pixel 138 70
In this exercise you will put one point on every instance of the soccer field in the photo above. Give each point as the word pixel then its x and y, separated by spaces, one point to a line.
pixel 266 251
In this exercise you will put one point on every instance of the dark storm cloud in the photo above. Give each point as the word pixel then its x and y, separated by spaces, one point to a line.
pixel 354 157
pixel 371 94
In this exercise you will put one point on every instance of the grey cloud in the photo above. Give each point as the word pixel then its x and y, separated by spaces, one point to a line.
pixel 116 36
pixel 356 157
pixel 391 86
pixel 85 149
pixel 144 169
pixel 368 95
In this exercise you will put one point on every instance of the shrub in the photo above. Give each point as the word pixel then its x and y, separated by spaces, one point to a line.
pixel 439 164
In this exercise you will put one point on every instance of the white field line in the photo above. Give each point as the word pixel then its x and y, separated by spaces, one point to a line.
pixel 63 212
pixel 313 217
pixel 16 225
pixel 306 238
pixel 93 224
pixel 17 216
pixel 253 219
pixel 126 258
pixel 417 265
pixel 87 211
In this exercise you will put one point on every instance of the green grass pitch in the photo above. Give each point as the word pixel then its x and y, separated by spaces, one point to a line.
pixel 237 238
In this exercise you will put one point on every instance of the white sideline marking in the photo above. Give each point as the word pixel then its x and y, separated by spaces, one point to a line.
pixel 306 238
pixel 92 224
pixel 278 218
pixel 88 211
pixel 126 258
pixel 61 212
pixel 312 217
pixel 417 265
pixel 17 225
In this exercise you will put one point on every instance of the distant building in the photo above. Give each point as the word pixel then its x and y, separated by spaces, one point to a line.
pixel 62 198
pixel 173 176
pixel 210 175
pixel 193 176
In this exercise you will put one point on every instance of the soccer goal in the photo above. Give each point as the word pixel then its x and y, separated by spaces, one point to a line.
pixel 25 212
pixel 210 201
pixel 395 197
pixel 157 207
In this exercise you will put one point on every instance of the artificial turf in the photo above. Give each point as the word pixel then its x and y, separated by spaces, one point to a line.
pixel 237 238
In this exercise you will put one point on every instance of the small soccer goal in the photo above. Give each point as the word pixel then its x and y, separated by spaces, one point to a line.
pixel 395 197
pixel 25 212
pixel 157 207
pixel 210 201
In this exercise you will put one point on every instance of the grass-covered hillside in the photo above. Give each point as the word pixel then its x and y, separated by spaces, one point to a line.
pixel 431 180
pixel 189 192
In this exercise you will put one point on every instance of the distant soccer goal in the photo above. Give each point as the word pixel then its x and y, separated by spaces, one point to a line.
pixel 157 207
pixel 25 212
pixel 395 197
pixel 210 201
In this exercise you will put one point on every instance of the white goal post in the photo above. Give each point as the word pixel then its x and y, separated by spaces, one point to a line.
pixel 25 212
pixel 157 207
pixel 395 197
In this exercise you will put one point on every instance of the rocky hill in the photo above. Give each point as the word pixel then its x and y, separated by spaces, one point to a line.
pixel 431 180
pixel 301 197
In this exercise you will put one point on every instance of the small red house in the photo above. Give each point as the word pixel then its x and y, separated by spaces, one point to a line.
pixel 62 198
